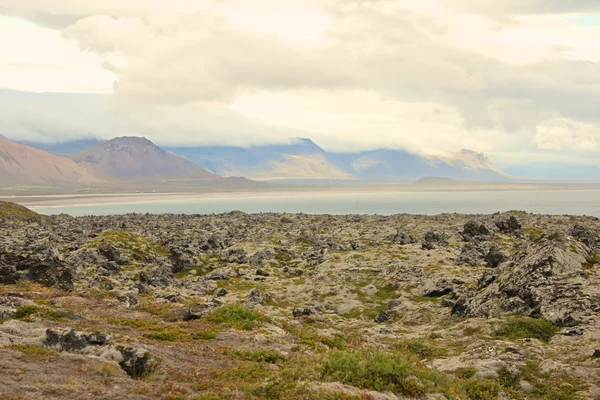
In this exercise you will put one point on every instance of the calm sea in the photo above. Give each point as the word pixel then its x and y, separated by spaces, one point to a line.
pixel 576 202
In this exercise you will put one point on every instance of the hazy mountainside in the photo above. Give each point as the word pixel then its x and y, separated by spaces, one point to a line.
pixel 25 165
pixel 133 158
pixel 302 159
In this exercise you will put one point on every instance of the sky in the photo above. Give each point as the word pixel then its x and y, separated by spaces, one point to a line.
pixel 518 80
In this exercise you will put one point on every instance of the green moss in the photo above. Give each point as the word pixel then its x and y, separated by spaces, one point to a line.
pixel 533 233
pixel 374 369
pixel 509 378
pixel 266 356
pixel 129 243
pixel 592 261
pixel 204 334
pixel 465 372
pixel 10 210
pixel 485 389
pixel 30 352
pixel 425 299
pixel 168 334
pixel 237 316
pixel 524 328
pixel 422 348
pixel 28 313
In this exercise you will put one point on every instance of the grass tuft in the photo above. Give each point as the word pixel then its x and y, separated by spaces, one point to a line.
pixel 237 316
pixel 525 328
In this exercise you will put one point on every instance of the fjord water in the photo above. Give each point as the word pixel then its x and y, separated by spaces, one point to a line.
pixel 573 202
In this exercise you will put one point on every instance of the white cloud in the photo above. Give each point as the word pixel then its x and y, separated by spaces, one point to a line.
pixel 493 76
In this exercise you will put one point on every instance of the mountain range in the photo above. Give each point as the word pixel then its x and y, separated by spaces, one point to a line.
pixel 120 160
pixel 135 159
pixel 303 159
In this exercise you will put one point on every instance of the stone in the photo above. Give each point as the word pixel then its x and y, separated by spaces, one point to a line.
pixel 472 253
pixel 383 316
pixel 181 262
pixel 111 253
pixel 510 226
pixel 472 229
pixel 159 277
pixel 43 265
pixel 494 257
pixel 542 281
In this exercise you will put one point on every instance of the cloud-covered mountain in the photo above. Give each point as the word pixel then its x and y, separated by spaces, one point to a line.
pixel 303 159
pixel 20 164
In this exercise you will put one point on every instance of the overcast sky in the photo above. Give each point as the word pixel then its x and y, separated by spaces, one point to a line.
pixel 516 79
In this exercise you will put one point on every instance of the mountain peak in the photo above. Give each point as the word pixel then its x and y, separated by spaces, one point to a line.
pixel 134 158
pixel 2 137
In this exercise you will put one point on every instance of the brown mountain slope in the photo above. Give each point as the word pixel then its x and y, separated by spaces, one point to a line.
pixel 138 159
pixel 20 164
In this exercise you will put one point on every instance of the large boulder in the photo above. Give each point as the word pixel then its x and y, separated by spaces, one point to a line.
pixel 43 265
pixel 111 253
pixel 546 280
pixel 181 261
pixel 472 230
pixel 510 226
pixel 160 277
pixel 586 235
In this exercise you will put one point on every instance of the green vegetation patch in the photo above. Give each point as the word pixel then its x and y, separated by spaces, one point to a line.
pixel 524 328
pixel 237 316
pixel 592 261
pixel 10 210
pixel 266 356
pixel 129 242
pixel 485 389
pixel 28 313
pixel 422 349
pixel 204 334
pixel 533 233
pixel 31 352
pixel 377 370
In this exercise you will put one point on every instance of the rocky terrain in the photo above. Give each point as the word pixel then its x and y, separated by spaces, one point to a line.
pixel 286 306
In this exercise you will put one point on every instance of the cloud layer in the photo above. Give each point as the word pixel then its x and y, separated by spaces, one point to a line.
pixel 494 76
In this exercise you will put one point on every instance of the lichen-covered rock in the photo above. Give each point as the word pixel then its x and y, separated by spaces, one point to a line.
pixel 510 226
pixel 472 254
pixel 544 281
pixel 494 257
pixel 472 229
pixel 181 261
pixel 43 265
pixel 433 239
pixel 160 277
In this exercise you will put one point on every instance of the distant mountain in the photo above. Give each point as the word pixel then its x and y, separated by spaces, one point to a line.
pixel 303 159
pixel 20 164
pixel 138 159
pixel 300 159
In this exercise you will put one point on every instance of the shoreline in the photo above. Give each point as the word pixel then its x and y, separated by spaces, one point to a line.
pixel 105 199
